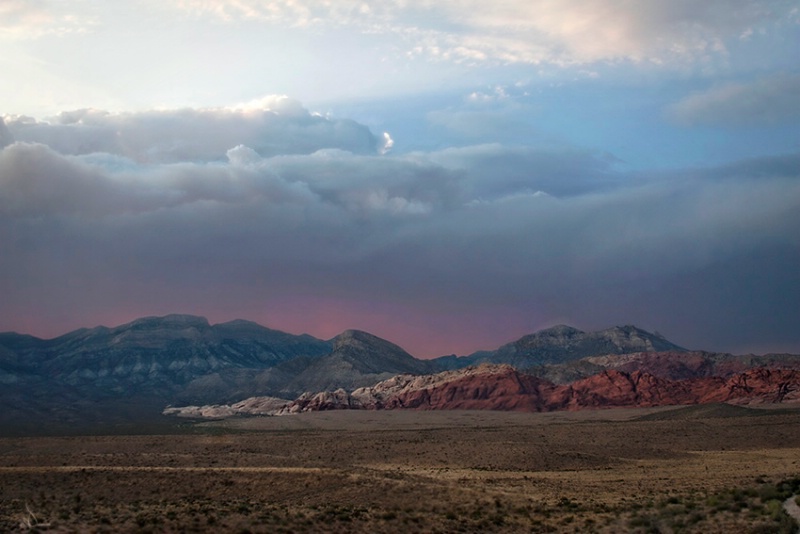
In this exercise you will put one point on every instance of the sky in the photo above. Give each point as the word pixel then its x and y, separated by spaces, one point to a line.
pixel 447 175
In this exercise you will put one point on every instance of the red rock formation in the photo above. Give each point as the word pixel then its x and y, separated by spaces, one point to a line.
pixel 759 386
pixel 675 365
pixel 501 387
pixel 507 390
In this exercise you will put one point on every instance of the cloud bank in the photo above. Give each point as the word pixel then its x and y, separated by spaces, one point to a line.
pixel 270 126
pixel 300 222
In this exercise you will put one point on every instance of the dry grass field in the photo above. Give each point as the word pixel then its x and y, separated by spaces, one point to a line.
pixel 695 469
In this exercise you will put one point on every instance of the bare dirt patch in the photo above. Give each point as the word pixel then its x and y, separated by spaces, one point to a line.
pixel 603 471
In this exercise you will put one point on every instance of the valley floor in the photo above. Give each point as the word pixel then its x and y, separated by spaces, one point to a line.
pixel 695 469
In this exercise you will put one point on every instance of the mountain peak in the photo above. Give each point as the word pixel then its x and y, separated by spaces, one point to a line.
pixel 359 338
pixel 367 351
pixel 563 343
pixel 559 330
pixel 173 320
pixel 634 339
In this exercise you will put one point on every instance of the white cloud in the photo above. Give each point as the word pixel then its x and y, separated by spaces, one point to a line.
pixel 29 19
pixel 270 126
pixel 766 101
pixel 241 155
pixel 530 31
pixel 388 143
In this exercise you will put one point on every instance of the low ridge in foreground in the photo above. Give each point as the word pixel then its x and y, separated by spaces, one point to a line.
pixel 502 387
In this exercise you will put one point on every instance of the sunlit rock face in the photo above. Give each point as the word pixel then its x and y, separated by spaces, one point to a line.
pixel 501 387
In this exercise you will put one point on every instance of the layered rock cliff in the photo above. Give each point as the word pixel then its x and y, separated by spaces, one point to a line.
pixel 501 387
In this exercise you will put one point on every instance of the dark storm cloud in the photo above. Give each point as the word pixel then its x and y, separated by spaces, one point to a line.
pixel 552 234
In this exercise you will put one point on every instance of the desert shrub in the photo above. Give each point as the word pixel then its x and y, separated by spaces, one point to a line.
pixel 497 519
pixel 787 525
pixel 768 492
pixel 774 508
pixel 694 518
pixel 644 523
pixel 762 528
pixel 675 510
pixel 566 503
pixel 787 488
pixel 523 510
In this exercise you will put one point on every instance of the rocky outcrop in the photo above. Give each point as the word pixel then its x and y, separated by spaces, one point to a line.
pixel 760 385
pixel 501 387
pixel 684 365
pixel 250 406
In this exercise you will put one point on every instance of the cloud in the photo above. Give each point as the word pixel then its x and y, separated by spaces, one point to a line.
pixel 539 31
pixel 462 232
pixel 28 19
pixel 762 102
pixel 6 138
pixel 35 181
pixel 270 126
pixel 501 114
pixel 585 31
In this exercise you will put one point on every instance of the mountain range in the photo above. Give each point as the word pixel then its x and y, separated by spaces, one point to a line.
pixel 130 372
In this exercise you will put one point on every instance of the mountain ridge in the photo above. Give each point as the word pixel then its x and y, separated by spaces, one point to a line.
pixel 106 373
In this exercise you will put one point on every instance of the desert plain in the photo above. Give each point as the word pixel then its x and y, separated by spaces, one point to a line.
pixel 711 468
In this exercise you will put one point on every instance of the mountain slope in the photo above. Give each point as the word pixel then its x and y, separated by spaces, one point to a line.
pixel 148 361
pixel 358 359
pixel 564 343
